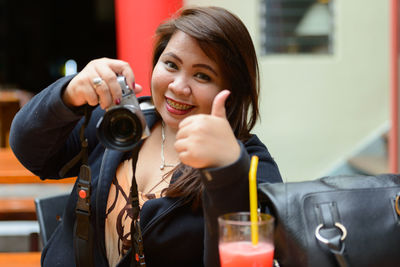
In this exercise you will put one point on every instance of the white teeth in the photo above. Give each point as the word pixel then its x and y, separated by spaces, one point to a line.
pixel 178 106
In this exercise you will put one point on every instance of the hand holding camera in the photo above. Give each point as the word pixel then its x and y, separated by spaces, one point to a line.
pixel 83 88
pixel 123 125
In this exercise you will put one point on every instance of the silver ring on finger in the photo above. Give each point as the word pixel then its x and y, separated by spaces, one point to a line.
pixel 97 81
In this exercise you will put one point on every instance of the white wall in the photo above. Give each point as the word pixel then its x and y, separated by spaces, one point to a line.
pixel 316 110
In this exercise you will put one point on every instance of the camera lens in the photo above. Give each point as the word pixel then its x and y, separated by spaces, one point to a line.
pixel 120 129
pixel 123 128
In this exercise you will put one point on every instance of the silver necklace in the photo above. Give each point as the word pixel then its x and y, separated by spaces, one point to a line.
pixel 163 165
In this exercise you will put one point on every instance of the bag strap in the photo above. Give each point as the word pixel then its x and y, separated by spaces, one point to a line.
pixel 83 232
pixel 136 233
pixel 328 216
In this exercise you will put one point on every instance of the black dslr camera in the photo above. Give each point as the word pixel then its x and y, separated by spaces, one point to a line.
pixel 123 125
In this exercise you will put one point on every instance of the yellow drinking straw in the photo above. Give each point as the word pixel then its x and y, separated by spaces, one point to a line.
pixel 253 199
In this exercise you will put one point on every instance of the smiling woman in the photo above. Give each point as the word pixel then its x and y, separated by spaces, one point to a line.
pixel 224 39
pixel 184 81
pixel 205 93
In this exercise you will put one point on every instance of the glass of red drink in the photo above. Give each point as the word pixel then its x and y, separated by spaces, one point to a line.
pixel 236 248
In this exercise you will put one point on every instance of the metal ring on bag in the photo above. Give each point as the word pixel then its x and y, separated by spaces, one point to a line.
pixel 326 241
pixel 397 204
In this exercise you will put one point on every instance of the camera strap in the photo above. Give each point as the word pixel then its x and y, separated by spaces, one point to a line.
pixel 83 238
pixel 83 232
pixel 138 259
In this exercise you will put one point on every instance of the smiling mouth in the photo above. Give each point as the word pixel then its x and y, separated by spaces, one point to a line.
pixel 179 106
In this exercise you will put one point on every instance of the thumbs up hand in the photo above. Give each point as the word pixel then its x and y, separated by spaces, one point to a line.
pixel 207 140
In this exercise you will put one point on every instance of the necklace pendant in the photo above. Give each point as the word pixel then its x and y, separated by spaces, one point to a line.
pixel 162 166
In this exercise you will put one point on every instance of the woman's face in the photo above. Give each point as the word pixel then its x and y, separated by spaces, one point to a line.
pixel 184 81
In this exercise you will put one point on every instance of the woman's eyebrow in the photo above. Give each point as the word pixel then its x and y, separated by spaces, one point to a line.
pixel 174 56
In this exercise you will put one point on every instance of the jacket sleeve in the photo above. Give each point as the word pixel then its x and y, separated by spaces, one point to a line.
pixel 227 190
pixel 44 134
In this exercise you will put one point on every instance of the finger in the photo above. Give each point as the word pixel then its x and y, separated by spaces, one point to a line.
pixel 123 68
pixel 137 88
pixel 130 77
pixel 111 84
pixel 91 96
pixel 218 106
pixel 89 88
pixel 119 67
pixel 183 157
pixel 186 157
pixel 191 124
pixel 180 146
pixel 192 121
pixel 184 123
pixel 104 95
pixel 183 133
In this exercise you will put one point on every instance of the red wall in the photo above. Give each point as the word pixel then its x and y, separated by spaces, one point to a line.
pixel 136 22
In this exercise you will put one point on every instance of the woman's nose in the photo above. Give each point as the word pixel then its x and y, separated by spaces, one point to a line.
pixel 180 86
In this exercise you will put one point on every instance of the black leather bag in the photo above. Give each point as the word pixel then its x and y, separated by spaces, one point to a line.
pixel 336 221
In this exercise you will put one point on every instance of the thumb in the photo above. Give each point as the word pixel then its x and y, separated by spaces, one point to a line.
pixel 137 88
pixel 218 106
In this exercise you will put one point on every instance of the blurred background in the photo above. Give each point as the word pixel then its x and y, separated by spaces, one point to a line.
pixel 40 36
pixel 325 68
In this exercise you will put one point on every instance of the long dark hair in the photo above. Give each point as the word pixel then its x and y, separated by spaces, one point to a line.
pixel 223 38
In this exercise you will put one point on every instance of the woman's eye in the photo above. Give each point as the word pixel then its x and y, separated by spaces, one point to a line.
pixel 203 76
pixel 171 65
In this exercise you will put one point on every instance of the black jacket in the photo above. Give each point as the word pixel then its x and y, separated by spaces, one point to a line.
pixel 45 135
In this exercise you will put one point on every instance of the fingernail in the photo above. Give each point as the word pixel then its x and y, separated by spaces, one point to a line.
pixel 117 101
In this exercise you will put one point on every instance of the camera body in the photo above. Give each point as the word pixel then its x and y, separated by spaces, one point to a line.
pixel 123 125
